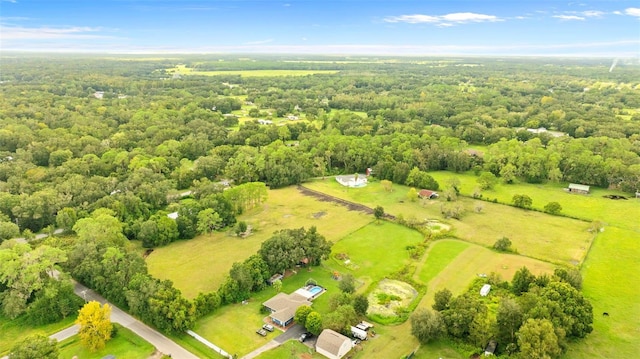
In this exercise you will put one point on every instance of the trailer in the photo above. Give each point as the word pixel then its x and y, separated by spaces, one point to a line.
pixel 358 333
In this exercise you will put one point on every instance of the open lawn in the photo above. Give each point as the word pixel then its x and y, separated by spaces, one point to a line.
pixel 463 266
pixel 211 256
pixel 621 213
pixel 13 330
pixel 125 345
pixel 389 342
pixel 375 251
pixel 291 350
pixel 534 234
pixel 611 284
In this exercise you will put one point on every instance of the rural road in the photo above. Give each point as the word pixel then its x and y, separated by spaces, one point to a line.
pixel 155 338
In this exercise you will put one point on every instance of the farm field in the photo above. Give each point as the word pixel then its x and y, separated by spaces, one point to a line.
pixel 212 256
pixel 463 266
pixel 125 345
pixel 611 284
pixel 16 329
pixel 559 240
pixel 183 70
pixel 375 251
pixel 591 207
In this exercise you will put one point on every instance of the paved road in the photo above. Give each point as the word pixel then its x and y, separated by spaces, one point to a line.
pixel 158 340
pixel 66 333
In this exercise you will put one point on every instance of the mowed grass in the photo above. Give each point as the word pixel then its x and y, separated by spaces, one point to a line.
pixel 611 285
pixel 14 330
pixel 621 213
pixel 125 345
pixel 233 327
pixel 291 350
pixel 534 234
pixel 201 264
pixel 462 268
pixel 376 251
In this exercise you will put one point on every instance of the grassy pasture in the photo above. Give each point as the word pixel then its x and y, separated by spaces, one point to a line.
pixel 125 345
pixel 456 266
pixel 13 330
pixel 200 264
pixel 375 251
pixel 183 70
pixel 534 234
pixel 592 207
pixel 611 284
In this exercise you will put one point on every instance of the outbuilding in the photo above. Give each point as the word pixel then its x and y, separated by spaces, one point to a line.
pixel 578 188
pixel 333 345
pixel 484 291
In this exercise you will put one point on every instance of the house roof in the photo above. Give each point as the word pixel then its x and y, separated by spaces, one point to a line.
pixel 491 347
pixel 426 193
pixel 284 305
pixel 579 187
pixel 331 341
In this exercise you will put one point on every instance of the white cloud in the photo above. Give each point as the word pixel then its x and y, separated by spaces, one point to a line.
pixel 617 13
pixel 45 32
pixel 568 17
pixel 592 13
pixel 443 20
pixel 633 11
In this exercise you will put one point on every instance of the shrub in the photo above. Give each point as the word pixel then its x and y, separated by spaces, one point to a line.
pixel 503 244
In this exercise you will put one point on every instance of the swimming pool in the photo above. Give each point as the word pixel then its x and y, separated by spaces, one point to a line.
pixel 314 290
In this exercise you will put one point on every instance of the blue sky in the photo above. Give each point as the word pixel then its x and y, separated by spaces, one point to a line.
pixel 392 27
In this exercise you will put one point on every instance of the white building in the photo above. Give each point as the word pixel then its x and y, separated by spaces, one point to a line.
pixel 484 291
pixel 333 345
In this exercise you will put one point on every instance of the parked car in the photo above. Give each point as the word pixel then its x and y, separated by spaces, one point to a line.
pixel 268 327
pixel 262 332
pixel 305 336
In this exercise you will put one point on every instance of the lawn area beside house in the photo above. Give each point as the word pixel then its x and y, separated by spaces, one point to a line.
pixel 211 256
pixel 538 235
pixel 13 330
pixel 291 350
pixel 374 251
pixel 238 335
pixel 125 345
pixel 611 285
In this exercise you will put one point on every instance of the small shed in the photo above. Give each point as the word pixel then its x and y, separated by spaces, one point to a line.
pixel 428 194
pixel 484 291
pixel 578 188
pixel 490 348
pixel 333 345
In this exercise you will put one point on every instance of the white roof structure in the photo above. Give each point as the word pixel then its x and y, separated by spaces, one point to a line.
pixel 484 291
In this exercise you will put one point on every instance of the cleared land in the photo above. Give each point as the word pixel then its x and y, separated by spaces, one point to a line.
pixel 211 257
pixel 183 70
pixel 374 251
pixel 462 267
pixel 125 345
pixel 620 213
pixel 534 234
pixel 17 329
pixel 611 284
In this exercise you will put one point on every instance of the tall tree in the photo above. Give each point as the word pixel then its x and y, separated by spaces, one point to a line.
pixel 426 325
pixel 537 339
pixel 95 325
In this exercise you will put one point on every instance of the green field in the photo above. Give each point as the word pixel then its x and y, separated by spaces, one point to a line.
pixel 125 345
pixel 183 70
pixel 534 234
pixel 12 330
pixel 621 213
pixel 611 284
pixel 375 251
pixel 211 256
pixel 450 264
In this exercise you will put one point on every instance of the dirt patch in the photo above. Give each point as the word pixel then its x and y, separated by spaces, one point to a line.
pixel 352 206
pixel 614 196
pixel 156 355
pixel 319 215
pixel 389 296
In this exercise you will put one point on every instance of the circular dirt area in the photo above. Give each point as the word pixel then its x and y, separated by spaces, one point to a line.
pixel 390 295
